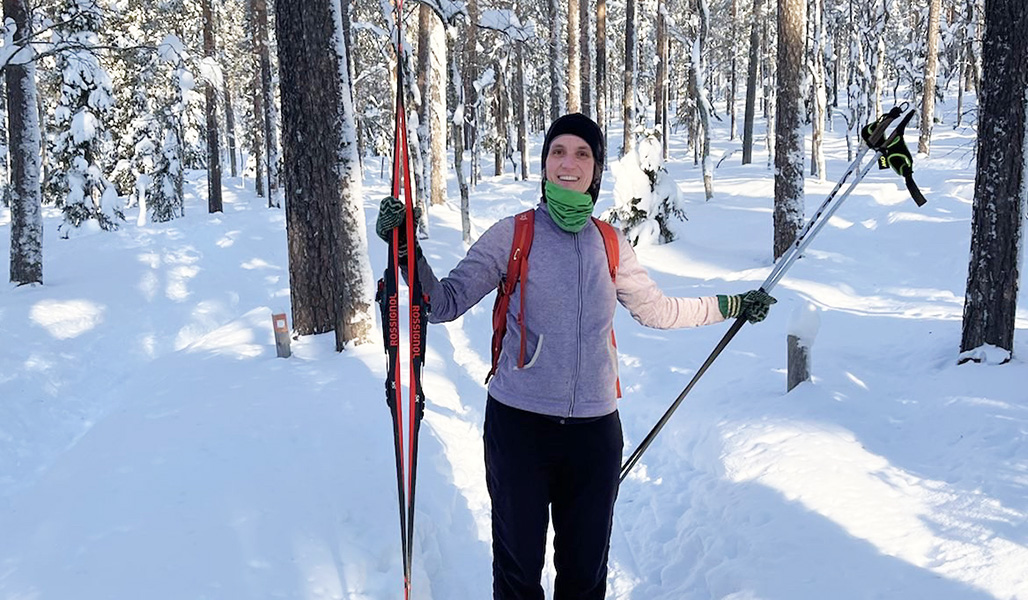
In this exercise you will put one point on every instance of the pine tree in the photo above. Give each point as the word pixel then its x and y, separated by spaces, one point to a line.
pixel 789 157
pixel 930 73
pixel 212 75
pixel 76 180
pixel 997 226
pixel 751 84
pixel 24 142
pixel 628 99
pixel 329 273
pixel 647 203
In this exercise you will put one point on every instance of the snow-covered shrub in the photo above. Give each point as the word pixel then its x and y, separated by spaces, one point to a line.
pixel 647 203
pixel 79 149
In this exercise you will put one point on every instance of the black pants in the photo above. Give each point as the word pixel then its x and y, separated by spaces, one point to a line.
pixel 534 462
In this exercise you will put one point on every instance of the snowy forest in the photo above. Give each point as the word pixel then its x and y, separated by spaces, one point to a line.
pixel 109 103
pixel 175 172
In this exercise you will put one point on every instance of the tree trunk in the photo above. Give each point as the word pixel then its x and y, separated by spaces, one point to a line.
pixel 702 104
pixel 628 101
pixel 355 319
pixel 521 111
pixel 878 32
pixel 732 84
pixel 24 147
pixel 329 275
pixel 270 122
pixel 586 64
pixel 751 85
pixel 789 156
pixel 213 147
pixel 998 214
pixel 458 141
pixel 470 94
pixel 230 128
pixel 574 64
pixel 768 100
pixel 433 69
pixel 817 154
pixel 500 116
pixel 856 97
pixel 258 146
pixel 601 65
pixel 416 147
pixel 930 71
pixel 258 134
pixel 555 66
pixel 660 83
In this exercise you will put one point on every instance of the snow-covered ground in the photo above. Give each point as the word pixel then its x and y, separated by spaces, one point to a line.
pixel 153 446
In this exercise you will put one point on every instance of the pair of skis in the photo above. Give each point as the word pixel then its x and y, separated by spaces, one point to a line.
pixel 883 137
pixel 406 423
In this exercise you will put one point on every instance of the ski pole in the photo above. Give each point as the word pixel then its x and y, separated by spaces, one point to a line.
pixel 828 208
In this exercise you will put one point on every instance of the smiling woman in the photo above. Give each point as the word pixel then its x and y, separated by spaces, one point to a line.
pixel 552 432
pixel 66 319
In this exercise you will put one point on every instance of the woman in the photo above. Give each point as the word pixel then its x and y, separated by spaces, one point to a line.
pixel 552 436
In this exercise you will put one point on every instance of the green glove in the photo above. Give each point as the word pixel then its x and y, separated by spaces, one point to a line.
pixel 390 216
pixel 753 305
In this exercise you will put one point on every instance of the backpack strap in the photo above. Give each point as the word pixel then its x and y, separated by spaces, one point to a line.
pixel 611 245
pixel 517 270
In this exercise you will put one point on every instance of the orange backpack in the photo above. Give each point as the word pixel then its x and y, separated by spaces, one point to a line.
pixel 517 270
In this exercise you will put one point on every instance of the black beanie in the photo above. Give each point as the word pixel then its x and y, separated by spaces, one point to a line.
pixel 587 129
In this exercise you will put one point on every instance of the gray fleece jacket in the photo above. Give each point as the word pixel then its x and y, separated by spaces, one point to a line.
pixel 570 364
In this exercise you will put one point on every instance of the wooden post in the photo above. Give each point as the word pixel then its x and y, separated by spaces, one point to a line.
pixel 803 329
pixel 281 335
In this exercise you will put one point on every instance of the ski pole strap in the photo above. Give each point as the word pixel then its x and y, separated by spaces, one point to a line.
pixel 892 149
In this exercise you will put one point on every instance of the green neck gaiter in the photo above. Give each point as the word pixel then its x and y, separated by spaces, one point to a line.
pixel 569 209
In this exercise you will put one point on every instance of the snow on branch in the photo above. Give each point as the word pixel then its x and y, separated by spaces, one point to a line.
pixel 507 23
pixel 447 10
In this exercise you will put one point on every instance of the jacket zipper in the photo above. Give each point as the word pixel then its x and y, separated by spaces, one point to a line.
pixel 578 331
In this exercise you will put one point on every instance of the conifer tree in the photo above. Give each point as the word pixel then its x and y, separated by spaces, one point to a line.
pixel 76 180
pixel 23 130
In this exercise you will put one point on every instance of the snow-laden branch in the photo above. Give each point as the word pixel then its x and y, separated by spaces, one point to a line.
pixel 507 23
